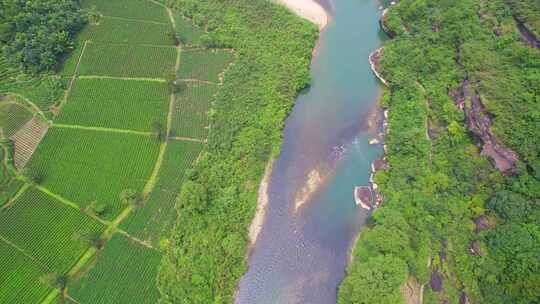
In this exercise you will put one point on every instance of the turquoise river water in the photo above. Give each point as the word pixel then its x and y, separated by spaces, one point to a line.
pixel 301 254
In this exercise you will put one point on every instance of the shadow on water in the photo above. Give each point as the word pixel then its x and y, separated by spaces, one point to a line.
pixel 301 255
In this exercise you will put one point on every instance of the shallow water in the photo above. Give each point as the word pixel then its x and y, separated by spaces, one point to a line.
pixel 300 256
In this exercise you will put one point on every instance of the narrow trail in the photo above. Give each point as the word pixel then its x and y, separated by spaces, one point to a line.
pixel 71 204
pixel 202 141
pixel 161 80
pixel 102 129
pixel 72 81
pixel 19 249
pixel 137 240
pixel 137 20
pixel 27 103
pixel 197 81
pixel 12 200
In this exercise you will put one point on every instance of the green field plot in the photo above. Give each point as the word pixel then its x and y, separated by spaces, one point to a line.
pixel 122 60
pixel 21 277
pixel 112 30
pixel 12 117
pixel 189 33
pixel 116 103
pixel 54 234
pixel 148 222
pixel 130 9
pixel 190 116
pixel 93 166
pixel 204 64
pixel 104 59
pixel 125 272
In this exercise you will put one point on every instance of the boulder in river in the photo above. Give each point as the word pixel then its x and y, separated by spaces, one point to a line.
pixel 374 141
pixel 378 165
pixel 363 195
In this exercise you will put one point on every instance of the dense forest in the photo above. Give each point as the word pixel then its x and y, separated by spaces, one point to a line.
pixel 460 218
pixel 207 248
pixel 35 34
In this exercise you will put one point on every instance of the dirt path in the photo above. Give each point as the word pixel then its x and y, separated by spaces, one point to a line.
pixel 162 80
pixel 71 204
pixel 196 80
pixel 32 107
pixel 72 81
pixel 19 249
pixel 102 129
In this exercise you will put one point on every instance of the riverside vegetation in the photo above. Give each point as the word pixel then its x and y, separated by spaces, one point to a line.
pixel 452 226
pixel 206 256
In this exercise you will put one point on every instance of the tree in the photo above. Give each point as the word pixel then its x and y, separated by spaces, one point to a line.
pixel 98 208
pixel 131 197
pixel 376 281
pixel 37 33
pixel 158 131
pixel 32 176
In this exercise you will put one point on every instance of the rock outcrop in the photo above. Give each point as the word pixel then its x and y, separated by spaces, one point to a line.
pixel 527 35
pixel 479 121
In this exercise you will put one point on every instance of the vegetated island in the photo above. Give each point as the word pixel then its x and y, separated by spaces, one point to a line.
pixel 460 195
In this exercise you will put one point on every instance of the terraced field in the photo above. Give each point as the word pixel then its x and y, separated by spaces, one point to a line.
pixel 12 117
pixel 93 203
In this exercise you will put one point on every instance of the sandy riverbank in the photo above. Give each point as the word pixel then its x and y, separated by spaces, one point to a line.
pixel 307 9
pixel 262 205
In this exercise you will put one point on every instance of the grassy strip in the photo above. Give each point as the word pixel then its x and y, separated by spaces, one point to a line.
pixel 161 80
pixel 101 129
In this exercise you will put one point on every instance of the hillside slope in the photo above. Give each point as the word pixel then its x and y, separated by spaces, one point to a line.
pixel 459 222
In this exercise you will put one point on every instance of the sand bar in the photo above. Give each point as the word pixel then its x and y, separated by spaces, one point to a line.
pixel 307 9
pixel 262 204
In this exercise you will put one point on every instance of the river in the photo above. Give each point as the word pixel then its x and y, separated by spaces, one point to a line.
pixel 301 254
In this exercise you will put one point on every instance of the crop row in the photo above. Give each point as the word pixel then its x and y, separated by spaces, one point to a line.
pixel 20 277
pixel 112 30
pixel 190 116
pixel 148 222
pixel 122 60
pixel 32 224
pixel 130 9
pixel 114 103
pixel 12 117
pixel 87 166
pixel 204 64
pixel 125 272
